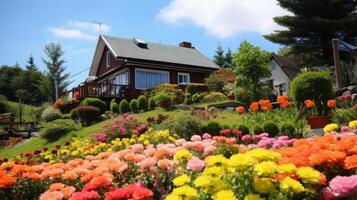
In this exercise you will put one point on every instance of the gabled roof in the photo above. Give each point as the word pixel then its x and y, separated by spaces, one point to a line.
pixel 127 49
pixel 288 66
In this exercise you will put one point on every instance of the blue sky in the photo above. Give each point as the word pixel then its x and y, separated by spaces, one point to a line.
pixel 26 26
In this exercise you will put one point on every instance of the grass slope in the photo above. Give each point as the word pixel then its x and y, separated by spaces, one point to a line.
pixel 14 107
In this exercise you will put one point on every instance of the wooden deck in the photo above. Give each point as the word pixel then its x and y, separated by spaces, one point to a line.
pixel 100 90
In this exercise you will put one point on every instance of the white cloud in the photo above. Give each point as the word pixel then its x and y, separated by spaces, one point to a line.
pixel 79 30
pixel 224 18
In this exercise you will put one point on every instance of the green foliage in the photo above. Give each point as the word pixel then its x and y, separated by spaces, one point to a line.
pixel 271 128
pixel 134 106
pixel 124 106
pixel 163 100
pixel 344 116
pixel 88 114
pixel 101 105
pixel 175 93
pixel 197 98
pixel 66 116
pixel 243 95
pixel 227 150
pixel 218 58
pixel 316 86
pixel 257 129
pixel 151 103
pixel 214 84
pixel 243 128
pixel 252 65
pixel 142 103
pixel 183 126
pixel 114 107
pixel 214 97
pixel 56 129
pixel 50 114
pixel 212 128
pixel 4 107
pixel 191 89
pixel 188 99
pixel 288 129
pixel 73 114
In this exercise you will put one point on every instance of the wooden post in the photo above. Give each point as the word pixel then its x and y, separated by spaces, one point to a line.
pixel 336 57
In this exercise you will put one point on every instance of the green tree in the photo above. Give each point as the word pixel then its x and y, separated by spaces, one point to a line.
pixel 31 64
pixel 228 58
pixel 219 58
pixel 7 74
pixel 56 69
pixel 252 65
pixel 313 25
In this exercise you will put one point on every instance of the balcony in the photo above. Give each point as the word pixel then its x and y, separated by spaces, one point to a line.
pixel 100 90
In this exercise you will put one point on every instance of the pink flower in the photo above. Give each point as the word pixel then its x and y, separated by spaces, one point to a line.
pixel 195 164
pixel 344 186
pixel 246 138
pixel 92 195
pixel 327 194
pixel 225 131
pixel 195 138
pixel 180 142
pixel 206 136
pixel 256 137
pixel 264 135
pixel 101 137
pixel 52 195
pixel 137 148
pixel 345 128
pixel 237 132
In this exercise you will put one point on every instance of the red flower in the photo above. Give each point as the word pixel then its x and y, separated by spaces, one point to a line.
pixel 309 103
pixel 331 103
pixel 254 107
pixel 92 195
pixel 240 109
pixel 225 131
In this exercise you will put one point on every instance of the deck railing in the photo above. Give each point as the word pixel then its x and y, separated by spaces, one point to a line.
pixel 101 90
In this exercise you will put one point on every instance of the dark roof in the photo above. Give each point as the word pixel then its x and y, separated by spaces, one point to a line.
pixel 126 48
pixel 288 66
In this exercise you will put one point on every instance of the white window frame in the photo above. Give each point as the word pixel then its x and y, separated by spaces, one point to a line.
pixel 183 74
pixel 107 59
pixel 150 70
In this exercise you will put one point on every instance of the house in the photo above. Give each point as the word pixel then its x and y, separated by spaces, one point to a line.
pixel 283 71
pixel 123 68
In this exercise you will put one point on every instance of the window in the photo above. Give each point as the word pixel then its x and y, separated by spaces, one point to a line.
pixel 146 79
pixel 108 59
pixel 183 78
pixel 122 78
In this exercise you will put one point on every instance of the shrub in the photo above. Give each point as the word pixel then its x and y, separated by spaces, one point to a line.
pixel 163 100
pixel 88 114
pixel 73 114
pixel 134 106
pixel 142 103
pixel 175 93
pixel 96 103
pixel 188 99
pixel 243 128
pixel 56 129
pixel 50 114
pixel 124 106
pixel 214 97
pixel 4 107
pixel 191 89
pixel 196 98
pixel 183 126
pixel 151 103
pixel 114 107
pixel 316 86
pixel 66 116
pixel 271 128
pixel 343 116
pixel 258 129
pixel 288 129
pixel 212 128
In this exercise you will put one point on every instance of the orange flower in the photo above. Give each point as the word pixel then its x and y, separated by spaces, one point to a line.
pixel 254 106
pixel 351 162
pixel 240 109
pixel 331 103
pixel 285 104
pixel 282 99
pixel 7 181
pixel 309 103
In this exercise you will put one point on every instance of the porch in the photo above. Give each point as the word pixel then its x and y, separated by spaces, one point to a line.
pixel 100 90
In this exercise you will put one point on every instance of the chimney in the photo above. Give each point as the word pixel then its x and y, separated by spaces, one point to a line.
pixel 185 44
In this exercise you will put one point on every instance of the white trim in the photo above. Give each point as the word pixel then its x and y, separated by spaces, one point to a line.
pixel 184 74
pixel 107 58
pixel 109 47
pixel 149 70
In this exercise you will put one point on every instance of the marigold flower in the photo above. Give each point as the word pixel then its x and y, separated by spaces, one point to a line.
pixel 7 181
pixel 252 197
pixel 331 103
pixel 224 195
pixel 289 184
pixel 181 180
pixel 308 175
pixel 240 109
pixel 254 107
pixel 309 103
pixel 351 162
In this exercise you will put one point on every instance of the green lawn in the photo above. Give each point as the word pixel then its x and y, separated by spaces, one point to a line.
pixel 14 107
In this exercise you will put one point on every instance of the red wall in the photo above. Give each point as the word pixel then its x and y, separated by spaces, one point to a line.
pixel 102 64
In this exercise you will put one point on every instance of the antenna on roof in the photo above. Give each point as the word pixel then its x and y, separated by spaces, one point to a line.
pixel 100 26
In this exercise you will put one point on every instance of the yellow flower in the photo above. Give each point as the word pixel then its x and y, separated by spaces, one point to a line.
pixel 308 175
pixel 263 185
pixel 183 155
pixel 330 127
pixel 181 180
pixel 286 168
pixel 203 181
pixel 241 161
pixel 185 192
pixel 252 197
pixel 213 171
pixel 265 168
pixel 288 184
pixel 218 161
pixel 263 154
pixel 225 195
pixel 353 124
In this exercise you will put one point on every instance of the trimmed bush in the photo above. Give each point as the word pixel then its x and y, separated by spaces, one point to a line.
pixel 271 128
pixel 196 98
pixel 50 114
pixel 173 91
pixel 88 114
pixel 142 103
pixel 288 129
pixel 183 126
pixel 151 103
pixel 191 89
pixel 124 106
pixel 134 106
pixel 258 129
pixel 212 128
pixel 188 99
pixel 243 95
pixel 56 129
pixel 214 97
pixel 163 100
pixel 114 107
pixel 316 86
pixel 73 114
pixel 96 103
pixel 243 128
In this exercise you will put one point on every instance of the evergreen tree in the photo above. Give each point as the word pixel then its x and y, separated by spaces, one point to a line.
pixel 56 69
pixel 31 64
pixel 219 58
pixel 228 58
pixel 313 25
